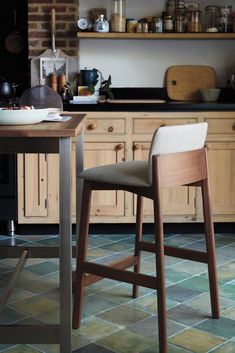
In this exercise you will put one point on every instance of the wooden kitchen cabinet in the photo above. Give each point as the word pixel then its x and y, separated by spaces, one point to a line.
pixel 112 137
pixel 221 159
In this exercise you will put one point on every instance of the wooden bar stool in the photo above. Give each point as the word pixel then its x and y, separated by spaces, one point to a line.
pixel 177 157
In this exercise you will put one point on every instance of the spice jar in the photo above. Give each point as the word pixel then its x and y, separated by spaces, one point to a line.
pixel 118 16
pixel 194 21
pixel 212 19
pixel 131 24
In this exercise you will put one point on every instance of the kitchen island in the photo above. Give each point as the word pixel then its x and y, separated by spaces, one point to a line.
pixel 53 138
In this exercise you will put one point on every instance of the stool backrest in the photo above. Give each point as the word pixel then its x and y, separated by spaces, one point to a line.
pixel 176 139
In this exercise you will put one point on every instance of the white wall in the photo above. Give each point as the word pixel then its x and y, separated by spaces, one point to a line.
pixel 142 63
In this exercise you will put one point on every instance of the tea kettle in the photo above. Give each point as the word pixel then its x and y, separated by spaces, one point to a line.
pixel 88 77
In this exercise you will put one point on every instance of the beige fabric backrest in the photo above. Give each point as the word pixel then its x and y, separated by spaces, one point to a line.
pixel 177 138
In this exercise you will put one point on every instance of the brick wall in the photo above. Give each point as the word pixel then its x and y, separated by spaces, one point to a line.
pixel 39 15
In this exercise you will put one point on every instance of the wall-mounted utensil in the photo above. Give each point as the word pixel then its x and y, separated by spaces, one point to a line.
pixel 14 42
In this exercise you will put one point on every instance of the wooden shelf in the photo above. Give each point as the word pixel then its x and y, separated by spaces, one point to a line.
pixel 154 36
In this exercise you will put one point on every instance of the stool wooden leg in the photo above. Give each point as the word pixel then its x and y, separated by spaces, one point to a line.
pixel 138 237
pixel 81 254
pixel 160 260
pixel 210 244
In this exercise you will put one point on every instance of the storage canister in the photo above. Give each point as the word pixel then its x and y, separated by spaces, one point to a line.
pixel 212 15
pixel 194 21
pixel 118 16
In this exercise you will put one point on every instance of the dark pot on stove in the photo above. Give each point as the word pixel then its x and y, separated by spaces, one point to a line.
pixel 7 89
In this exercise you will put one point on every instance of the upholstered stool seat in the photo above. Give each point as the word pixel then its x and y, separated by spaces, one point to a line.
pixel 134 173
pixel 177 157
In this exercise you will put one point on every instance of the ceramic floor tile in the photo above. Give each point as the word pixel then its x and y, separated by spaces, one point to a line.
pixel 126 342
pixel 203 303
pixel 186 315
pixel 94 304
pixel 196 341
pixel 175 276
pixel 43 268
pixel 113 322
pixel 181 294
pixel 149 327
pixel 192 267
pixel 228 347
pixel 198 283
pixel 171 349
pixel 95 328
pixel 124 315
pixel 223 327
pixel 229 313
pixel 93 348
pixel 10 316
pixel 42 284
pixel 148 303
pixel 35 305
pixel 23 349
pixel 227 291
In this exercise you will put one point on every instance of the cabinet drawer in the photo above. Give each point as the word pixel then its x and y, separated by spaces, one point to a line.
pixel 101 126
pixel 221 126
pixel 149 125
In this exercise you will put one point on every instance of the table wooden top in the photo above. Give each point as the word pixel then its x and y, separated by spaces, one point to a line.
pixel 68 128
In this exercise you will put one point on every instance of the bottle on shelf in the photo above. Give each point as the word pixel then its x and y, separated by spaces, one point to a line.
pixel 167 23
pixel 118 16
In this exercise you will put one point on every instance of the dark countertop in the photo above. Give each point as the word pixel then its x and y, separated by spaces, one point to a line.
pixel 226 102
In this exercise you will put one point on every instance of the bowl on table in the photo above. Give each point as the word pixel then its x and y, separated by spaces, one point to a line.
pixel 22 116
pixel 210 94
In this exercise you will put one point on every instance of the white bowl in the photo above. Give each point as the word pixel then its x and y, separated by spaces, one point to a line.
pixel 22 117
pixel 210 94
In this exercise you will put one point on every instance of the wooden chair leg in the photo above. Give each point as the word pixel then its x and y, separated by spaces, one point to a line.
pixel 160 259
pixel 138 237
pixel 81 254
pixel 210 244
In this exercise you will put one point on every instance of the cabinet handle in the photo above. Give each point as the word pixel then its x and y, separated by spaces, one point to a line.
pixel 119 147
pixel 91 126
pixel 233 127
pixel 110 129
pixel 137 146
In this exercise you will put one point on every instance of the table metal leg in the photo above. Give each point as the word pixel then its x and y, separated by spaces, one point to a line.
pixel 79 181
pixel 65 185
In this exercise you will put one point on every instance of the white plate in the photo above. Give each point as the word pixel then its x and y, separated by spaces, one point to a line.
pixel 22 117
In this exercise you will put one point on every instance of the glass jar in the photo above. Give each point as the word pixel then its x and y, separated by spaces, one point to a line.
pixel 194 21
pixel 118 16
pixel 225 19
pixel 212 15
pixel 167 22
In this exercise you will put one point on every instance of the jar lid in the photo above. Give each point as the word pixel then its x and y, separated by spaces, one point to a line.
pixel 213 8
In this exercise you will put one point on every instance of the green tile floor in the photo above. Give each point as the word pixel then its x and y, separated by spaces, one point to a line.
pixel 113 322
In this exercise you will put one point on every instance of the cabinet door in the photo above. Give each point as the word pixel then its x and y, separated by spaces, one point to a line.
pixel 221 160
pixel 105 203
pixel 35 185
pixel 177 201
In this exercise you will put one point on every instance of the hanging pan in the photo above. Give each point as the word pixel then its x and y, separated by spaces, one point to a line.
pixel 14 42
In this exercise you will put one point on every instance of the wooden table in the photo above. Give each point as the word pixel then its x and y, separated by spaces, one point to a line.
pixel 47 137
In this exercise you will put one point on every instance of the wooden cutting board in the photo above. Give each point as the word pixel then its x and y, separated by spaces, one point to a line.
pixel 184 81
